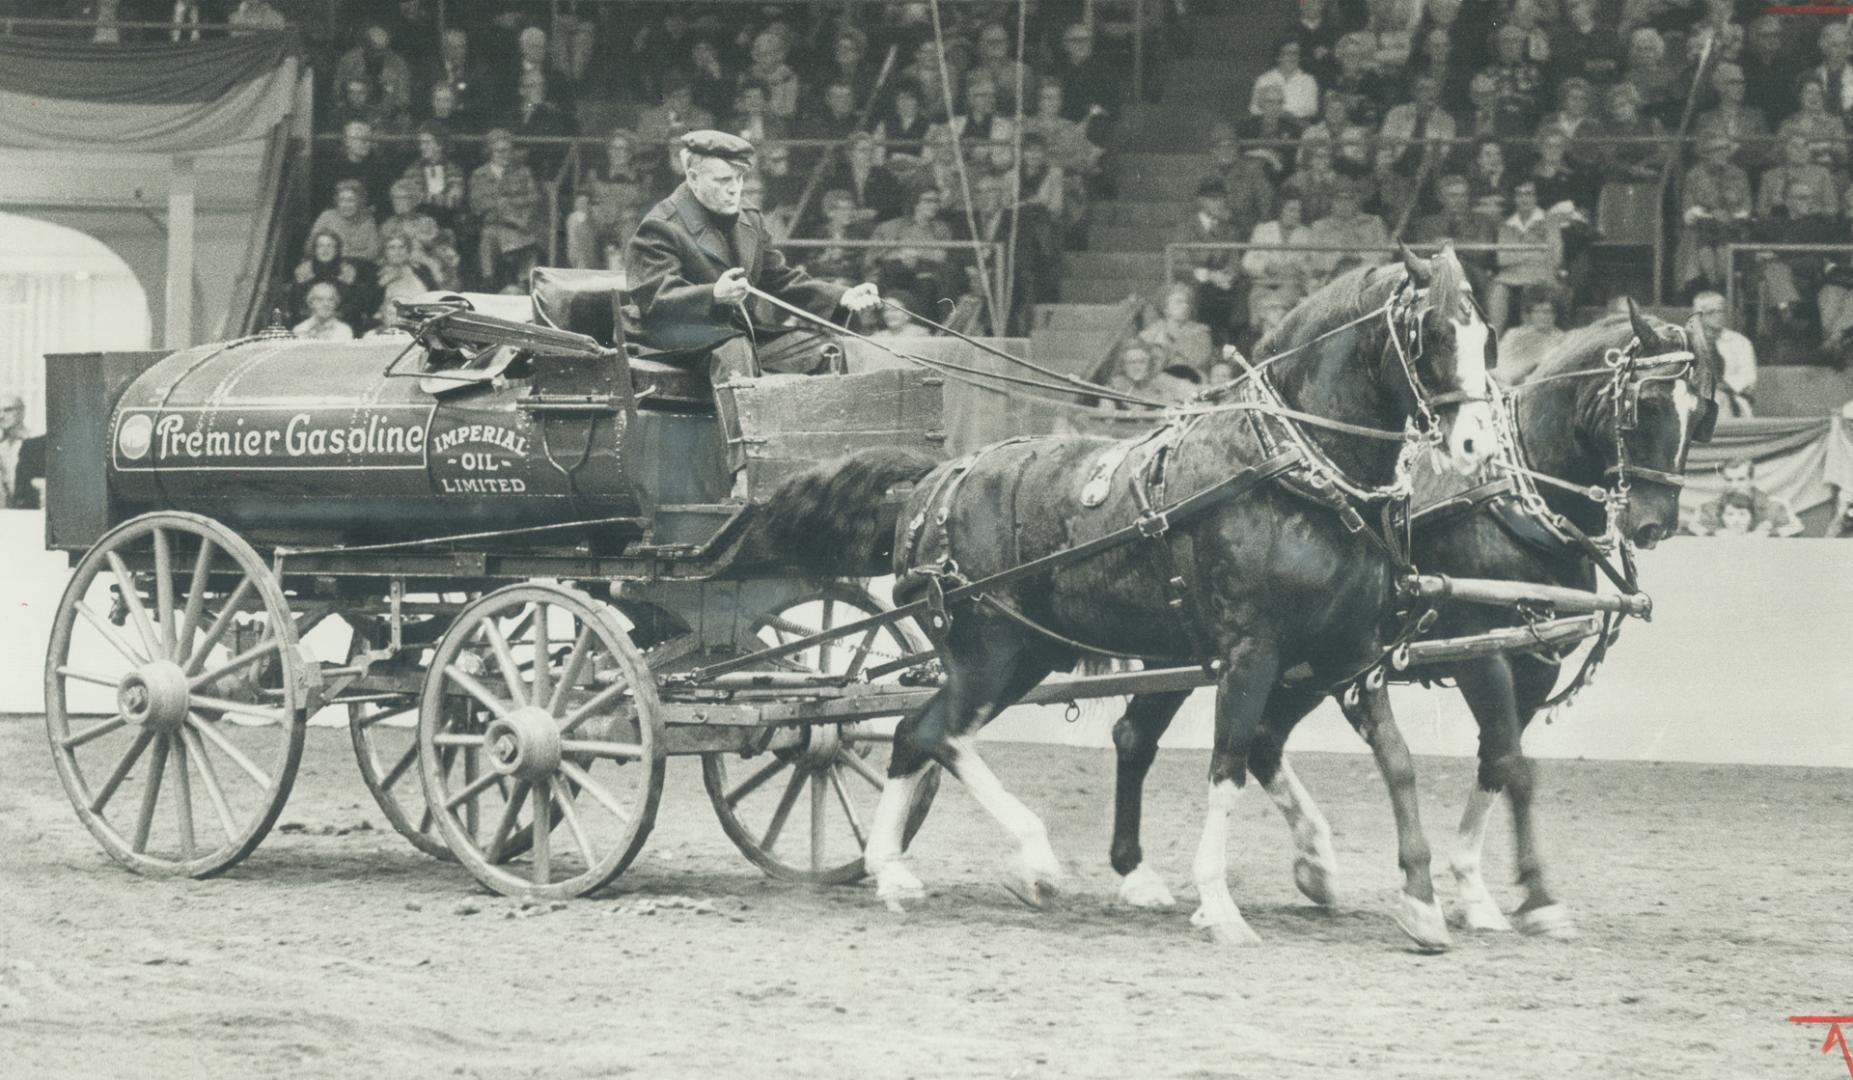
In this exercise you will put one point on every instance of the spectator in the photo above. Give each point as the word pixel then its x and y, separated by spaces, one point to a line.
pixel 384 72
pixel 1413 141
pixel 1717 207
pixel 505 201
pixel 1091 88
pixel 770 70
pixel 1457 222
pixel 895 320
pixel 1769 68
pixel 1313 185
pixel 1637 162
pixel 752 118
pixel 1211 272
pixel 1798 165
pixel 1490 178
pixel 466 76
pixel 1267 314
pixel 325 263
pixel 186 21
pixel 1792 281
pixel 448 115
pixel 849 62
pixel 1177 336
pixel 838 116
pixel 1584 48
pixel 1286 275
pixel 997 65
pixel 1526 271
pixel 1825 132
pixel 1835 71
pixel 362 161
pixel 1657 81
pixel 1437 62
pixel 419 228
pixel 1067 143
pixel 440 180
pixel 1731 119
pixel 842 265
pixel 351 220
pixel 1299 90
pixel 1485 119
pixel 924 72
pixel 1357 81
pixel 1738 384
pixel 17 491
pixel 533 58
pixel 980 122
pixel 1525 346
pixel 1737 516
pixel 1770 516
pixel 659 125
pixel 400 278
pixel 1388 25
pixel 1045 187
pixel 536 118
pixel 1575 120
pixel 924 271
pixel 1349 227
pixel 1251 195
pixel 1565 186
pixel 618 195
pixel 711 85
pixel 1520 83
pixel 906 122
pixel 1136 374
pixel 323 324
pixel 1317 32
pixel 1269 134
pixel 1350 141
pixel 250 15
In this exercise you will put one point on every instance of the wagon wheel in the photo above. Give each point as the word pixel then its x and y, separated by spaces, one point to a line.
pixel 559 689
pixel 173 676
pixel 385 735
pixel 842 767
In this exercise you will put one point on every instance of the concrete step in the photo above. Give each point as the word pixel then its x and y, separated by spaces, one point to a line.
pixel 1131 269
pixel 1120 238
pixel 1161 176
pixel 1077 318
pixel 1108 290
pixel 1168 127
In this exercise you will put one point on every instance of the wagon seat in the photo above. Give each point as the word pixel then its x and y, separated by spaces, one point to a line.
pixel 588 302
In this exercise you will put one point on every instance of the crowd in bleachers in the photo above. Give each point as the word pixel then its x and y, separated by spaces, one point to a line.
pixel 1543 127
pixel 520 135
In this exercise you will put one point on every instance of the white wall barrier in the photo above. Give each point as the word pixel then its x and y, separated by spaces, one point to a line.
pixel 1746 662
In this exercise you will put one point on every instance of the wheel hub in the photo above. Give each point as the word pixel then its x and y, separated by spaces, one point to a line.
pixel 154 695
pixel 524 744
pixel 821 743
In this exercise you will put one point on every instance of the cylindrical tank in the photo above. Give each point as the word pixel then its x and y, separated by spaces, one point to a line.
pixel 315 442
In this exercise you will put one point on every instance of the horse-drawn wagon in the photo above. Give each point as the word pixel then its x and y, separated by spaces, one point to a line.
pixel 524 542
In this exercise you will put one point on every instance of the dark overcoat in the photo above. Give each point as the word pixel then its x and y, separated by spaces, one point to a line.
pixel 681 249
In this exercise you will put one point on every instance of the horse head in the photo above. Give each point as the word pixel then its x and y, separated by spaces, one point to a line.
pixel 1657 403
pixel 1450 357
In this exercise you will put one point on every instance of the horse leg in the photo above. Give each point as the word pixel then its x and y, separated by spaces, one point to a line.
pixel 1315 867
pixel 907 765
pixel 1490 688
pixel 1417 913
pixel 1241 695
pixel 1135 741
pixel 1539 913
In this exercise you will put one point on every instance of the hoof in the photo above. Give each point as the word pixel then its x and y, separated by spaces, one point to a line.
pixel 1224 931
pixel 1035 888
pixel 1143 888
pixel 1423 923
pixel 1482 915
pixel 896 886
pixel 1551 921
pixel 1317 880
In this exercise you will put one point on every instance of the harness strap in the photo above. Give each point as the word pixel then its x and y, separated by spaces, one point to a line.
pixel 1153 527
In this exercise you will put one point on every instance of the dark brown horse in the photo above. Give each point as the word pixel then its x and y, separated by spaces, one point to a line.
pixel 1615 409
pixel 1291 572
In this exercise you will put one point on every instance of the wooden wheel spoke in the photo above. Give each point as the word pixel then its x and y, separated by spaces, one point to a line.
pixel 862 768
pixel 575 662
pixel 93 732
pixel 110 634
pixel 590 707
pixel 826 648
pixel 121 771
pixel 505 825
pixel 505 659
pixel 183 800
pixel 164 592
pixel 543 656
pixel 453 740
pixel 570 814
pixel 820 805
pixel 543 831
pixel 399 768
pixel 593 788
pixel 611 751
pixel 88 677
pixel 388 712
pixel 138 612
pixel 472 814
pixel 230 750
pixel 754 782
pixel 861 655
pixel 243 660
pixel 196 601
pixel 151 796
pixel 793 789
pixel 849 806
pixel 477 690
pixel 209 775
pixel 470 791
pixel 227 707
pixel 221 623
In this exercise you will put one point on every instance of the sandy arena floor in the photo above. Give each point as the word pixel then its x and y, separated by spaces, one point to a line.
pixel 1713 901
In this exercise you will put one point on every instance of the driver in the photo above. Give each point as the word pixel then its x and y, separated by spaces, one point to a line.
pixel 695 253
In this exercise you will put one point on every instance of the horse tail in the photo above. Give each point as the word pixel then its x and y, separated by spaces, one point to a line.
pixel 830 518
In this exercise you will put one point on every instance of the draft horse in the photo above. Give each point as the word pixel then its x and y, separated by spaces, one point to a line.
pixel 1286 564
pixel 1599 438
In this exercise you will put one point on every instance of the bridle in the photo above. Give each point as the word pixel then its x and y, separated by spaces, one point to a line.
pixel 1408 309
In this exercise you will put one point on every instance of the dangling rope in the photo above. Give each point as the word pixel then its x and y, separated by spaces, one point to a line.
pixel 958 162
pixel 1016 182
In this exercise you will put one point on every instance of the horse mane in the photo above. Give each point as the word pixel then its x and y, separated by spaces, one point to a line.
pixel 1347 296
pixel 1586 346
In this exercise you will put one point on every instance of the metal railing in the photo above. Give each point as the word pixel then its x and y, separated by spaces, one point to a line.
pixel 1732 250
pixel 994 261
pixel 1173 249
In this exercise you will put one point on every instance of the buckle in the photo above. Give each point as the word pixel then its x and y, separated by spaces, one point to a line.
pixel 1154 525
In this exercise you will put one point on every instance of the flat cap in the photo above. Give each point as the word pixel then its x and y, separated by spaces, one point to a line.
pixel 719 144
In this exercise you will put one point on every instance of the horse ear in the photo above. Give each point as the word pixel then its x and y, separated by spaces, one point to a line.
pixel 1642 332
pixel 1710 364
pixel 1416 266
